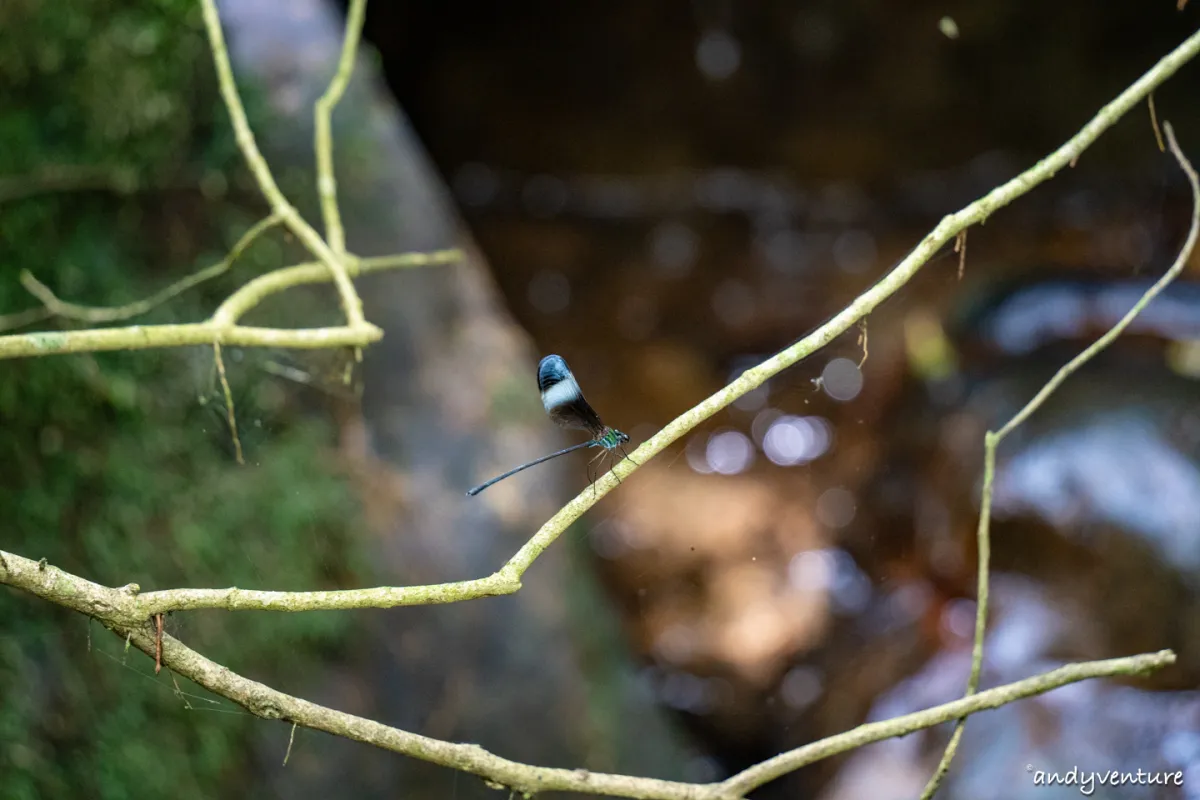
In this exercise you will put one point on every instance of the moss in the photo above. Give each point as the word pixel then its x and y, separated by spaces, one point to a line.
pixel 117 163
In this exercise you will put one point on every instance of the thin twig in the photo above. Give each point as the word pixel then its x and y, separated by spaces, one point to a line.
pixel 20 319
pixel 158 634
pixel 230 415
pixel 96 314
pixel 960 247
pixel 322 138
pixel 862 341
pixel 993 440
pixel 179 693
pixel 67 178
pixel 291 738
pixel 1158 139
pixel 1116 330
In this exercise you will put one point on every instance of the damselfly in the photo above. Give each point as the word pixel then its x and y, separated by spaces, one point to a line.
pixel 564 402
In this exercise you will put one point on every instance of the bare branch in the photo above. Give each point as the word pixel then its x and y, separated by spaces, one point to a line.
pixel 255 291
pixel 144 337
pixel 221 327
pixel 1108 338
pixel 323 140
pixel 119 611
pixel 20 319
pixel 902 726
pixel 233 599
pixel 509 576
pixel 95 314
pixel 68 178
pixel 351 302
pixel 864 304
pixel 128 614
pixel 993 440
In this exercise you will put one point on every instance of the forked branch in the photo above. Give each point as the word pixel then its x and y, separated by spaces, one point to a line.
pixel 992 440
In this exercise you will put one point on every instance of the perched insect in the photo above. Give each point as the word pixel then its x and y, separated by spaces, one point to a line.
pixel 564 402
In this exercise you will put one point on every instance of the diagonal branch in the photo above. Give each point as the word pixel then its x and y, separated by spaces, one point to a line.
pixel 508 578
pixel 946 231
pixel 117 610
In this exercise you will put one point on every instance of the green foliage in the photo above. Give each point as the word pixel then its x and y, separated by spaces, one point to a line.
pixel 109 80
pixel 114 141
